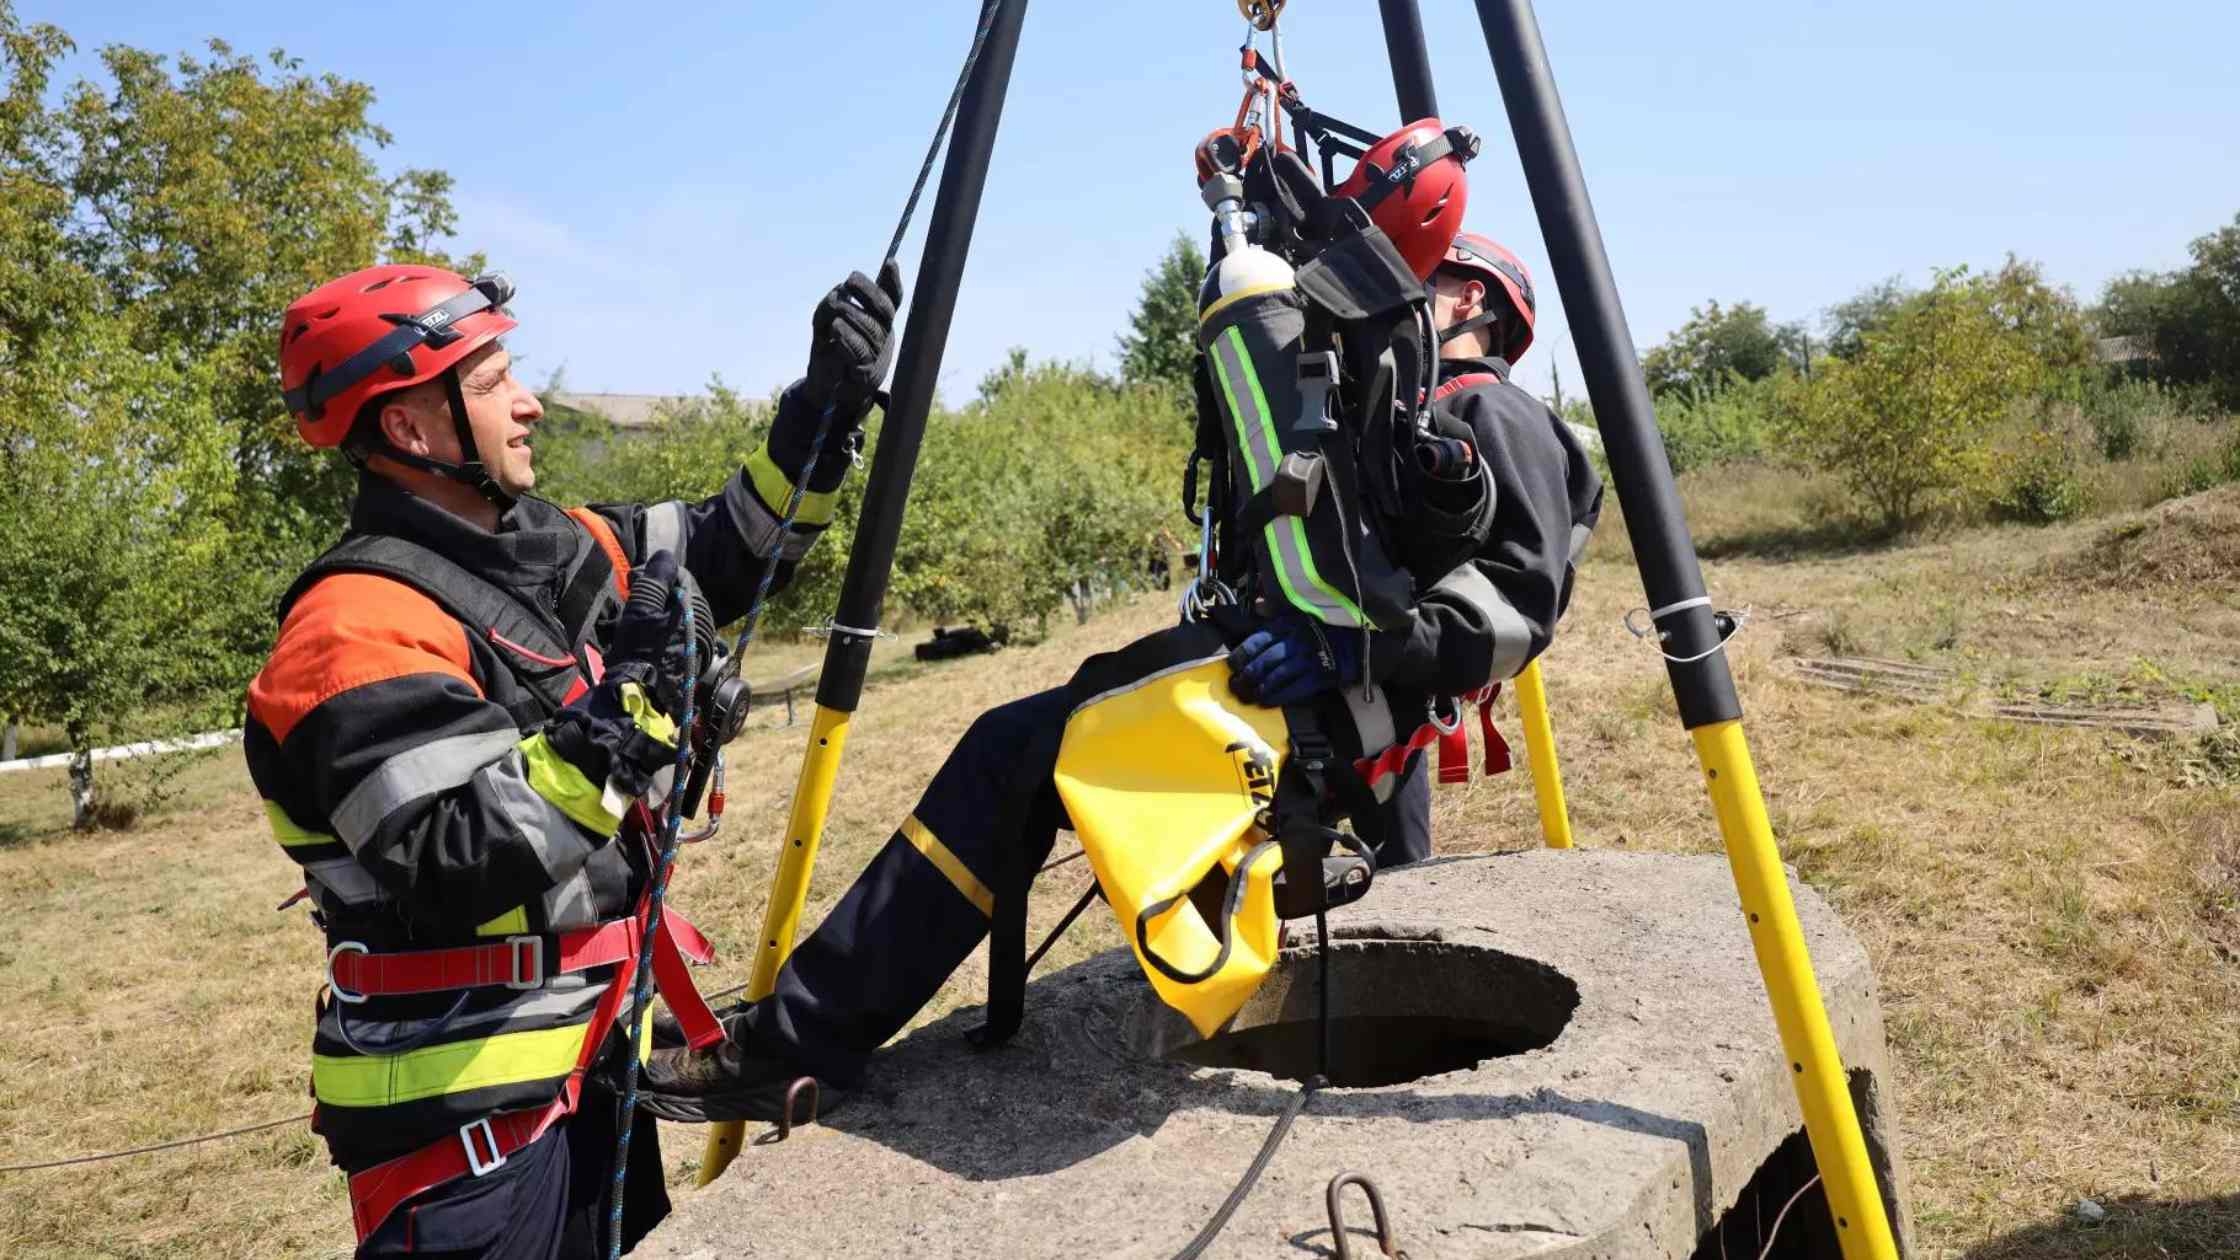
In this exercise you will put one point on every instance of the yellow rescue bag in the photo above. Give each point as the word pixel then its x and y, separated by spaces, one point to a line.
pixel 1168 777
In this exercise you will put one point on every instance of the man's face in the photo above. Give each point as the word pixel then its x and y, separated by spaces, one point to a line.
pixel 501 411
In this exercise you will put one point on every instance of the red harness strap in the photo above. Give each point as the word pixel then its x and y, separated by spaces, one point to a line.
pixel 1454 746
pixel 484 1144
pixel 1456 384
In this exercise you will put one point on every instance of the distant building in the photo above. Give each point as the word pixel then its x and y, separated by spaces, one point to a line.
pixel 623 411
pixel 2119 350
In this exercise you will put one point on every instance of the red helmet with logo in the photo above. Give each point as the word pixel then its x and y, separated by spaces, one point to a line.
pixel 377 331
pixel 1413 186
pixel 1504 275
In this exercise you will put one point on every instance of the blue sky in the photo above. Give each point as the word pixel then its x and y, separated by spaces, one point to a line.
pixel 673 192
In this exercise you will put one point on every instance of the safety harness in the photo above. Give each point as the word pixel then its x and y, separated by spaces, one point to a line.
pixel 551 655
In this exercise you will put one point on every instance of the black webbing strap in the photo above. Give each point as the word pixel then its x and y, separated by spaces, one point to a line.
pixel 1016 866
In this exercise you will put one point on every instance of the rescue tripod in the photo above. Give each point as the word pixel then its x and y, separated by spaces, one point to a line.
pixel 1688 630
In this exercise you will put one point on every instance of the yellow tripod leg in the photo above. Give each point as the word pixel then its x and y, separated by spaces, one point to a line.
pixel 1831 1123
pixel 781 919
pixel 1540 752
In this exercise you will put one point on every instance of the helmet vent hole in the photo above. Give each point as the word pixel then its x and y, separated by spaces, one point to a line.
pixel 298 331
pixel 328 313
pixel 377 286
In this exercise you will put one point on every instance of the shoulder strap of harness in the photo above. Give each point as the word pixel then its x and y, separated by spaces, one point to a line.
pixel 1453 385
pixel 534 645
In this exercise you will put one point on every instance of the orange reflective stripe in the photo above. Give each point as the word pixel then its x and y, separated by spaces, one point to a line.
pixel 350 630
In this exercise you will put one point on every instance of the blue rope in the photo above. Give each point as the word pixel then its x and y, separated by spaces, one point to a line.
pixel 642 982
pixel 674 812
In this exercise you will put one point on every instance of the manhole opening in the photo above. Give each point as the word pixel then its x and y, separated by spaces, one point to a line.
pixel 1400 1011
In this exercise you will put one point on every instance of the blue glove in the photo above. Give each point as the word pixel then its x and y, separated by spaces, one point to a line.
pixel 1293 660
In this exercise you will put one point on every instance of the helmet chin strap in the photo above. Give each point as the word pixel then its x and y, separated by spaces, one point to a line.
pixel 470 471
pixel 1482 319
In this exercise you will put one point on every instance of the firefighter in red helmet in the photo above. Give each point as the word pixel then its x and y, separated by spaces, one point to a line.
pixel 457 720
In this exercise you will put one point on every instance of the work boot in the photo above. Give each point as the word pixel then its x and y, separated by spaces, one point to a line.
pixel 732 1081
pixel 668 1034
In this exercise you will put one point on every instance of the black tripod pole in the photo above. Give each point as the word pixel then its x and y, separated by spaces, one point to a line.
pixel 863 590
pixel 1411 62
pixel 1688 633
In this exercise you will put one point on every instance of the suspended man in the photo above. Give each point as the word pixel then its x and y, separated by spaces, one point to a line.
pixel 1421 551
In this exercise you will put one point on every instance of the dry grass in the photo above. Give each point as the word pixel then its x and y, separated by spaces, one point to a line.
pixel 2052 913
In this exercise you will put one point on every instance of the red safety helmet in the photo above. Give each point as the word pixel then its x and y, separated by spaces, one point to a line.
pixel 1485 259
pixel 380 330
pixel 1413 186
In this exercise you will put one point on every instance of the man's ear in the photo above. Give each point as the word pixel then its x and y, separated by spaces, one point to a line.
pixel 401 426
pixel 1471 301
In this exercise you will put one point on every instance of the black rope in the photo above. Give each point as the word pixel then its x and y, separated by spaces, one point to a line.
pixel 1291 1110
pixel 737 661
pixel 988 11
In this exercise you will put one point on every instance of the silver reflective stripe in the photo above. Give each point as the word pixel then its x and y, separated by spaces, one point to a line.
pixel 560 842
pixel 665 528
pixel 569 906
pixel 1580 536
pixel 414 774
pixel 1286 535
pixel 562 1001
pixel 1512 634
pixel 344 880
pixel 1372 721
pixel 758 528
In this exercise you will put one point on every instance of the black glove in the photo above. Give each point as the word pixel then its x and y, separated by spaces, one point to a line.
pixel 623 731
pixel 851 344
pixel 648 642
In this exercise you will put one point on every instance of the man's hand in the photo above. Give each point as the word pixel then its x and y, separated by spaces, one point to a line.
pixel 648 643
pixel 850 346
pixel 1292 660
pixel 623 732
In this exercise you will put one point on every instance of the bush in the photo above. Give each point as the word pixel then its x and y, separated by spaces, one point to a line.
pixel 2207 472
pixel 1703 427
pixel 2118 413
pixel 2039 484
pixel 1907 422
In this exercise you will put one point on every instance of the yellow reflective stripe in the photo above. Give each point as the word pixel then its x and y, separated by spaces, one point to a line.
pixel 481 1063
pixel 648 717
pixel 923 839
pixel 552 777
pixel 284 829
pixel 513 922
pixel 775 490
pixel 1249 291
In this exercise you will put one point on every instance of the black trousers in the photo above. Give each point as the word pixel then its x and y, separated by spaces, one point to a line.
pixel 550 1200
pixel 924 903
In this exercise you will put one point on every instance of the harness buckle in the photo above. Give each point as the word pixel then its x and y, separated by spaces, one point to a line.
pixel 527 956
pixel 334 986
pixel 477 1163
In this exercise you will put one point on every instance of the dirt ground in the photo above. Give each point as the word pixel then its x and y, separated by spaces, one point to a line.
pixel 2054 914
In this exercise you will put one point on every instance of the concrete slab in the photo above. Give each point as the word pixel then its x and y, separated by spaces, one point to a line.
pixel 1636 1084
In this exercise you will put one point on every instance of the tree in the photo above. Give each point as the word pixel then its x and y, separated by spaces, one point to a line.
pixel 116 481
pixel 2191 317
pixel 152 226
pixel 1719 344
pixel 1906 421
pixel 1848 322
pixel 2045 316
pixel 1161 344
